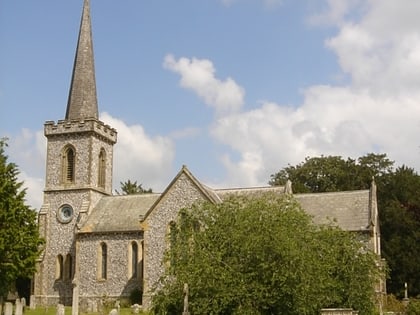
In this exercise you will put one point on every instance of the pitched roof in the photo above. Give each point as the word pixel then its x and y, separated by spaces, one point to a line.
pixel 248 191
pixel 349 209
pixel 82 102
pixel 118 213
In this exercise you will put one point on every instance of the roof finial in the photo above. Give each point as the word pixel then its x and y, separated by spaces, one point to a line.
pixel 82 102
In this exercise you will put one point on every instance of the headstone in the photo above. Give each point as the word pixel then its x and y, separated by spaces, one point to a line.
pixel 135 308
pixel 75 301
pixel 8 308
pixel 60 310
pixel 23 301
pixel 18 307
pixel 32 304
pixel 186 292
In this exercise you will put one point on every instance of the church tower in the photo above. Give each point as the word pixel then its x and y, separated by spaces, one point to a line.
pixel 78 173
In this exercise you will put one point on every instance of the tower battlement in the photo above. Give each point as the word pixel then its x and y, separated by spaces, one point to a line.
pixel 76 126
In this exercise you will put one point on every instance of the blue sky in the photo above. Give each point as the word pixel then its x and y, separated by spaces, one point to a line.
pixel 234 89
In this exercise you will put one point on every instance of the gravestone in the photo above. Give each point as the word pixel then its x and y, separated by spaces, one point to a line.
pixel 186 304
pixel 135 308
pixel 32 304
pixel 23 301
pixel 338 311
pixel 18 307
pixel 8 308
pixel 60 310
pixel 75 301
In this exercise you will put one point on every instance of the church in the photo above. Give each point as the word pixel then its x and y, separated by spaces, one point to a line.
pixel 100 245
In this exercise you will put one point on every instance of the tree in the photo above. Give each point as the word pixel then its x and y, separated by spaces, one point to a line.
pixel 131 188
pixel 20 242
pixel 333 173
pixel 399 204
pixel 398 200
pixel 262 256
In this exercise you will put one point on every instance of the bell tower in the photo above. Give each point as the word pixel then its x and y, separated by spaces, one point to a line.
pixel 78 173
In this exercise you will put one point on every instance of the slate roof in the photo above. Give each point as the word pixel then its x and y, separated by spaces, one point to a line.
pixel 248 191
pixel 118 213
pixel 350 209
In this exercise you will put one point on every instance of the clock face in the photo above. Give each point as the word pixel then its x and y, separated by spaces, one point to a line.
pixel 65 214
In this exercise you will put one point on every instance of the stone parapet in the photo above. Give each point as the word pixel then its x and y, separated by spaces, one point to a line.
pixel 76 126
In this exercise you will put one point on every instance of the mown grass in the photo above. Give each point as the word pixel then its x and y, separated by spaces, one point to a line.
pixel 53 310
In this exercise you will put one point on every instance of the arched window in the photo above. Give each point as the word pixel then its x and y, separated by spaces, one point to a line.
pixel 68 267
pixel 102 168
pixel 134 259
pixel 68 164
pixel 59 268
pixel 102 261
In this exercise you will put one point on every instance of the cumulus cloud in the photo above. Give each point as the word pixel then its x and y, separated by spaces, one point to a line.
pixel 139 156
pixel 27 150
pixel 377 111
pixel 198 75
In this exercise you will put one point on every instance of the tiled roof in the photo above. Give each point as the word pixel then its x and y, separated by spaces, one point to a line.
pixel 349 209
pixel 118 213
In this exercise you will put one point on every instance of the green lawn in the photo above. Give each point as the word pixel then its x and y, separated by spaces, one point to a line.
pixel 52 311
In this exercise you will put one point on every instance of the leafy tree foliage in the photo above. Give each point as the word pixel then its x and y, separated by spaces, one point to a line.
pixel 333 173
pixel 130 188
pixel 399 209
pixel 19 237
pixel 262 256
pixel 398 200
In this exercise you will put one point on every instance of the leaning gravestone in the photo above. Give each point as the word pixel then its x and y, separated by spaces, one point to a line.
pixel 60 309
pixel 8 308
pixel 18 307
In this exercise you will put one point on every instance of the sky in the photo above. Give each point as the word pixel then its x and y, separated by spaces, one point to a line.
pixel 234 89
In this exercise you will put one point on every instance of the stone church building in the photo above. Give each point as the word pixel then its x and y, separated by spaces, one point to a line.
pixel 100 245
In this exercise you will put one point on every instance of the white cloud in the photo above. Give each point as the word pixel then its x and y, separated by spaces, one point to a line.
pixel 336 12
pixel 198 75
pixel 27 150
pixel 139 156
pixel 378 111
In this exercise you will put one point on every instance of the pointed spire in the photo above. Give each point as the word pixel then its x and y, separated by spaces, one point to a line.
pixel 82 102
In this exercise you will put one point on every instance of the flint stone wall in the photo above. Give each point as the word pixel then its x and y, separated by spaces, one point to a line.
pixel 118 284
pixel 183 193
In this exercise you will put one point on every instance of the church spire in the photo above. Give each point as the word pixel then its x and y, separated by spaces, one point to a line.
pixel 82 102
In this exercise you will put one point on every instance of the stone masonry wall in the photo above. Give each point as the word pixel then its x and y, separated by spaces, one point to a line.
pixel 183 193
pixel 118 283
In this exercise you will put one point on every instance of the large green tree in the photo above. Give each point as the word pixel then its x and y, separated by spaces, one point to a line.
pixel 262 256
pixel 19 238
pixel 398 199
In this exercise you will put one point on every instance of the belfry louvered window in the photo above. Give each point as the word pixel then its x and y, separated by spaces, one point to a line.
pixel 101 168
pixel 68 164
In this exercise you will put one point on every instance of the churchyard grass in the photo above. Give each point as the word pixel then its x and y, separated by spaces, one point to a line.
pixel 52 311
